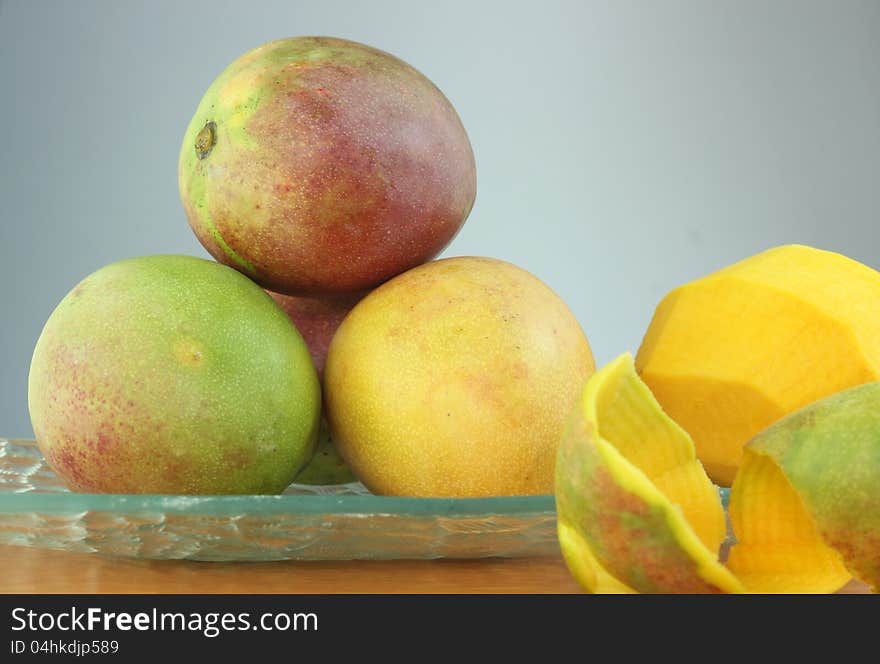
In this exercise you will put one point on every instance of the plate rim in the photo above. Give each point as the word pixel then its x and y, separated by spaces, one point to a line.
pixel 254 505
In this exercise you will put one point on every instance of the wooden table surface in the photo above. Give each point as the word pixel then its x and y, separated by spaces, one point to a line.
pixel 29 570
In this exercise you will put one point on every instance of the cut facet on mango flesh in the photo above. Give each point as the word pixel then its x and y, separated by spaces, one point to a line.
pixel 636 510
pixel 637 513
pixel 729 354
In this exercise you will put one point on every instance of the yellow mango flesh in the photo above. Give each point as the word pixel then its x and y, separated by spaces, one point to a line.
pixel 636 510
pixel 729 354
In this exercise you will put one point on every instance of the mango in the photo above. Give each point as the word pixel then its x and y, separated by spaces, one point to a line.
pixel 317 165
pixel 317 320
pixel 730 353
pixel 326 467
pixel 636 511
pixel 454 379
pixel 173 374
pixel 805 505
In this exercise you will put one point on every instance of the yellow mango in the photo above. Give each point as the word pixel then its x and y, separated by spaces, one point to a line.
pixel 731 353
pixel 454 379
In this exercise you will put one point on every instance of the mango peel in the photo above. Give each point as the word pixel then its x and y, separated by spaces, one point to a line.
pixel 825 460
pixel 637 513
pixel 617 450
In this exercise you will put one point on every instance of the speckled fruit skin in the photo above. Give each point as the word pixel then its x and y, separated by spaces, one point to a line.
pixel 326 465
pixel 631 537
pixel 173 374
pixel 317 319
pixel 455 379
pixel 317 165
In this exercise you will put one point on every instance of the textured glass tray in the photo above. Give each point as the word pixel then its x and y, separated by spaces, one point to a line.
pixel 305 523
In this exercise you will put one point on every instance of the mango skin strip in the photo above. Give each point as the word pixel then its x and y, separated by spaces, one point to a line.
pixel 779 549
pixel 828 456
pixel 629 535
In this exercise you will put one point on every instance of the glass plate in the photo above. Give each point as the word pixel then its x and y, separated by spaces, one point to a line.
pixel 305 523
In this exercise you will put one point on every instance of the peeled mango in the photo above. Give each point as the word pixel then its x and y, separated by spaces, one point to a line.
pixel 636 512
pixel 729 354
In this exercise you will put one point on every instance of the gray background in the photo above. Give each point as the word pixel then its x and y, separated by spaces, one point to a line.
pixel 622 147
